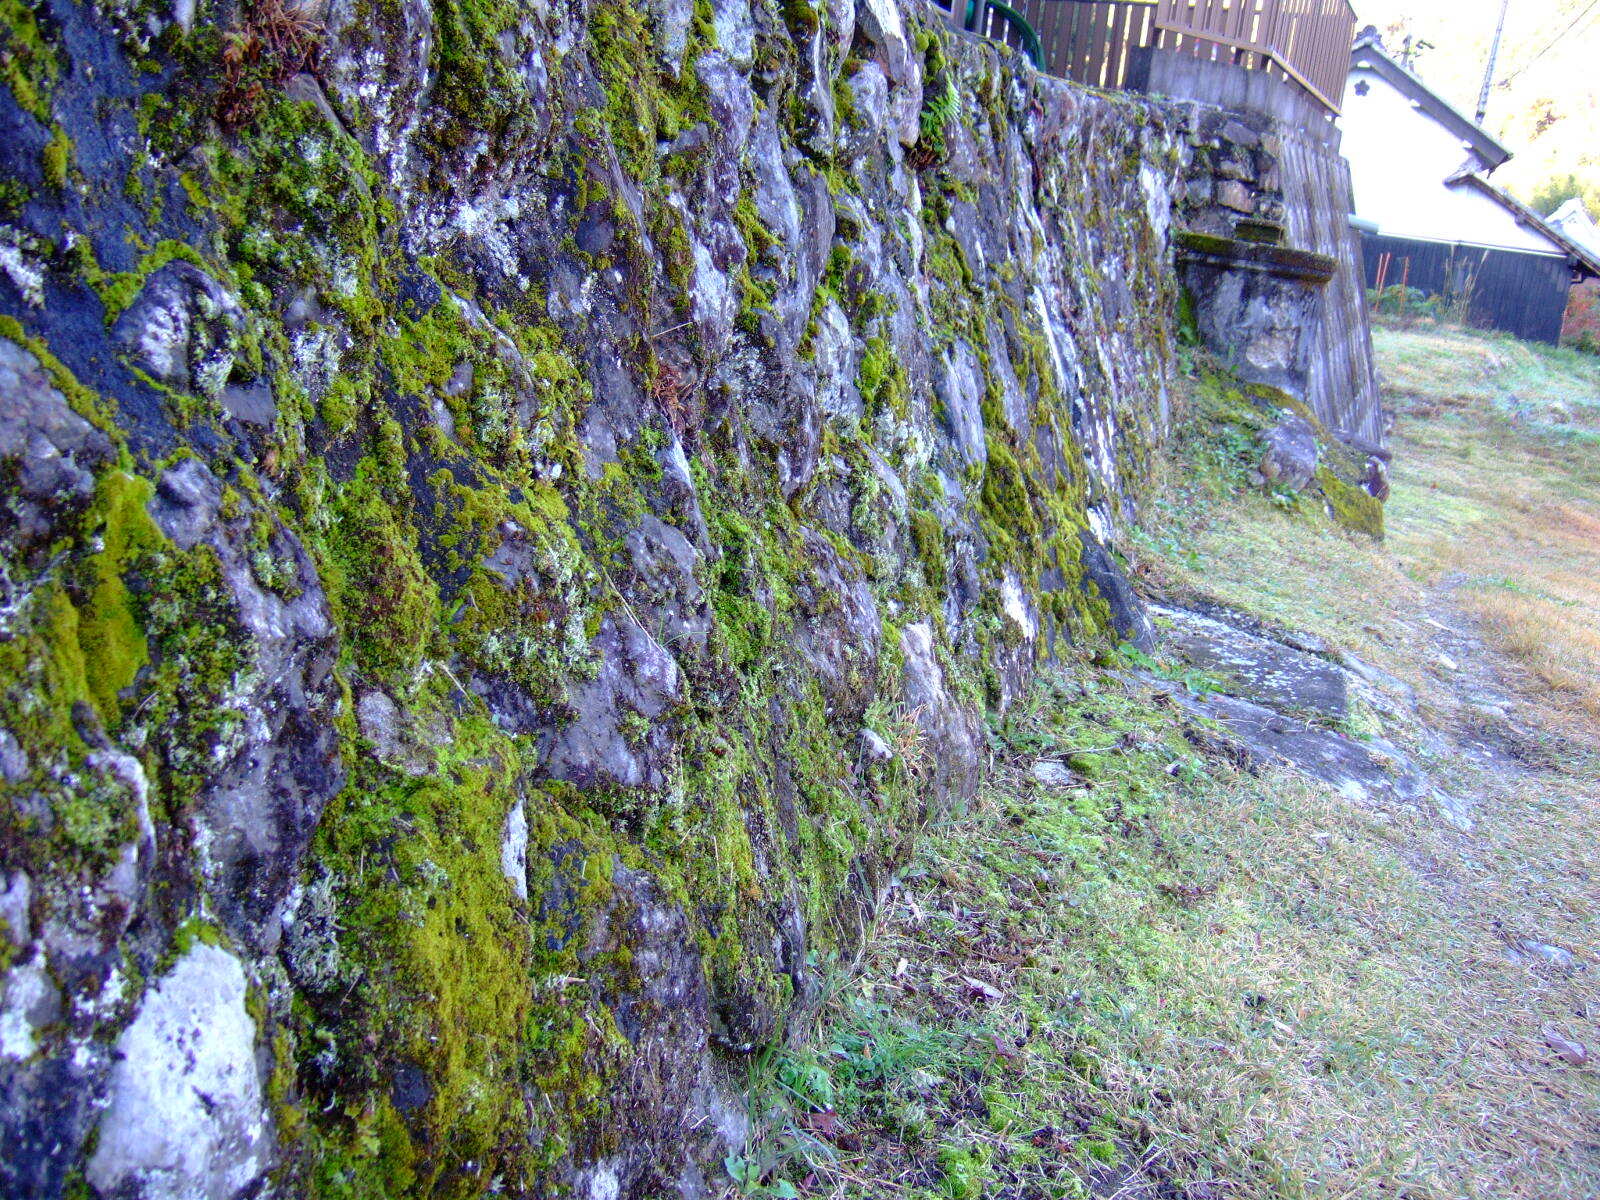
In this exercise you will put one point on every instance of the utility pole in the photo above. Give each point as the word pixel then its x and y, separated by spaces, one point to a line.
pixel 1488 71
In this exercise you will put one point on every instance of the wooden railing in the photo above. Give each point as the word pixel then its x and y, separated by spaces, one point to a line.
pixel 1083 40
pixel 1306 41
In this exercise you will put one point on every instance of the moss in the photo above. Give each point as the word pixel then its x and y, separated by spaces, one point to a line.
pixel 1009 520
pixel 1350 505
pixel 881 379
pixel 118 290
pixel 1205 243
pixel 642 109
pixel 487 548
pixel 532 628
pixel 56 158
pixel 964 1172
pixel 463 990
pixel 376 581
pixel 927 534
pixel 29 63
pixel 110 635
pixel 85 644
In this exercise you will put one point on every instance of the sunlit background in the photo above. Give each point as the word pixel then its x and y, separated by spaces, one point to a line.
pixel 1544 103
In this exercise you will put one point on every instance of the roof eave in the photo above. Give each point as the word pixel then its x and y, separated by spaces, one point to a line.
pixel 1585 259
pixel 1368 53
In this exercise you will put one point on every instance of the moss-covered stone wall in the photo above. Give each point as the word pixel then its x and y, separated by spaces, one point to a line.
pixel 513 511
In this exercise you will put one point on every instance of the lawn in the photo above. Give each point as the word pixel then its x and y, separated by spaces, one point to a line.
pixel 1136 968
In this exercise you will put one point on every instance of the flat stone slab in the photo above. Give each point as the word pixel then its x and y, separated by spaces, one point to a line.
pixel 1364 772
pixel 1253 666
pixel 1278 690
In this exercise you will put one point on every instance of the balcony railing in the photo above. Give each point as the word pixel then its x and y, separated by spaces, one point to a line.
pixel 1090 41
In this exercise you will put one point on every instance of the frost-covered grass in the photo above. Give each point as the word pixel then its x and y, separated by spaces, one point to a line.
pixel 1171 977
pixel 1180 976
pixel 1498 497
pixel 1442 368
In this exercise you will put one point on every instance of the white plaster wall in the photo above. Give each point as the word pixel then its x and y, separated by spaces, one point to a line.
pixel 1399 159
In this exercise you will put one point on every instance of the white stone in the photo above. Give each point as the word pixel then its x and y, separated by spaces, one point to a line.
pixel 1016 606
pixel 874 748
pixel 880 21
pixel 184 1117
pixel 603 1183
pixel 15 900
pixel 30 1000
pixel 514 850
pixel 735 29
pixel 25 274
pixel 1052 774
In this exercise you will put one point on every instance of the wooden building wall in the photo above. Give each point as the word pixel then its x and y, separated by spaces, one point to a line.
pixel 1519 292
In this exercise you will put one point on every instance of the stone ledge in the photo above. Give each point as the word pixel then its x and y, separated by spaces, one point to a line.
pixel 1231 253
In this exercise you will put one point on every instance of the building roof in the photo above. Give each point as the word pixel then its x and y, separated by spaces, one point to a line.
pixel 1585 258
pixel 1573 219
pixel 1368 54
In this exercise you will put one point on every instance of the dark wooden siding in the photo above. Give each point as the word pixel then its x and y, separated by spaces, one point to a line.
pixel 1514 290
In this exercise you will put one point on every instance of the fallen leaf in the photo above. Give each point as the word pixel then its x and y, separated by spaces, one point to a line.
pixel 826 1124
pixel 981 990
pixel 1573 1053
pixel 1004 1049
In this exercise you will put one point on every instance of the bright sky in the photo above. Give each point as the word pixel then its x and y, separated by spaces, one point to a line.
pixel 1546 102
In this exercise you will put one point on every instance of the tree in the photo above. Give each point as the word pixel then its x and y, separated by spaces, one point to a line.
pixel 1557 190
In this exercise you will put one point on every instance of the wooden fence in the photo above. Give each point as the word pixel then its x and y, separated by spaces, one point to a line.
pixel 1522 292
pixel 1306 41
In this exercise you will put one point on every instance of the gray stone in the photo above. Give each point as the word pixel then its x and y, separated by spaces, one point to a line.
pixel 837 395
pixel 1290 460
pixel 1365 773
pixel 1573 1053
pixel 185 1117
pixel 1254 666
pixel 620 729
pixel 670 24
pixel 1231 193
pixel 1052 774
pixel 950 728
pixel 251 403
pixel 1238 134
pixel 54 450
pixel 384 725
pixel 959 387
pixel 1129 618
pixel 1375 478
pixel 29 1001
pixel 184 328
pixel 881 23
pixel 514 849
pixel 273 774
pixel 13 758
pixel 1556 956
pixel 1235 166
pixel 667 570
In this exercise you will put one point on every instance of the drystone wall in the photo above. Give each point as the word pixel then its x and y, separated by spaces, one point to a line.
pixel 1253 165
pixel 513 513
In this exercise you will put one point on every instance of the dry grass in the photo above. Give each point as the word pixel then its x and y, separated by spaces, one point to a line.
pixel 1177 980
pixel 1181 981
pixel 1498 498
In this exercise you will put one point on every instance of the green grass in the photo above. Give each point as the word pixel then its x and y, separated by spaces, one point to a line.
pixel 1176 978
pixel 1555 390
